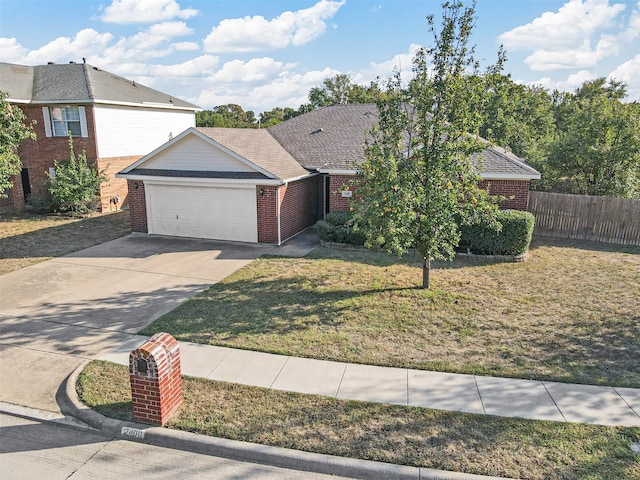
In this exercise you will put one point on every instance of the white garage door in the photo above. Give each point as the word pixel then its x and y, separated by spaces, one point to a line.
pixel 219 213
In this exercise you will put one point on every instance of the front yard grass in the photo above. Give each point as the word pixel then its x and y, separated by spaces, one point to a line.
pixel 571 313
pixel 28 238
pixel 478 444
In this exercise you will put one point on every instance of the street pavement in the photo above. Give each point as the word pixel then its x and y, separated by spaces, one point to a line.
pixel 35 449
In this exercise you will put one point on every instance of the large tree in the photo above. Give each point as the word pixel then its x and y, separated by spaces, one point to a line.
pixel 13 131
pixel 597 150
pixel 418 181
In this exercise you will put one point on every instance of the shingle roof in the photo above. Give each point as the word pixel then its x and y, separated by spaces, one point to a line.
pixel 80 83
pixel 329 137
pixel 332 138
pixel 260 148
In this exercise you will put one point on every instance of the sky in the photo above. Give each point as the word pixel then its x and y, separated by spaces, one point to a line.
pixel 262 54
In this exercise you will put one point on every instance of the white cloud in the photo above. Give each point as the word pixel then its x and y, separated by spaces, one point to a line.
pixel 186 46
pixel 196 68
pixel 255 70
pixel 65 49
pixel 10 50
pixel 285 88
pixel 250 34
pixel 564 39
pixel 573 23
pixel 629 72
pixel 571 83
pixel 145 11
pixel 384 70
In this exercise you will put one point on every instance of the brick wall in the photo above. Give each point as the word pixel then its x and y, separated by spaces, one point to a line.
pixel 299 206
pixel 337 184
pixel 38 155
pixel 266 198
pixel 137 206
pixel 114 188
pixel 516 192
pixel 298 209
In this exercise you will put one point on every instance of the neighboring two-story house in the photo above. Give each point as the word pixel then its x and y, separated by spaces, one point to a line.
pixel 115 120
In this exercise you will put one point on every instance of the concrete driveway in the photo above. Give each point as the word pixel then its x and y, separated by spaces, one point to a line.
pixel 57 314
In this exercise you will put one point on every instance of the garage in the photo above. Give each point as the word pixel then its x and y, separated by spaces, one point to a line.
pixel 225 212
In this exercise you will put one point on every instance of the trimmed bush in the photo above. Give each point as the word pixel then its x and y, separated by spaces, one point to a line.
pixel 338 227
pixel 513 239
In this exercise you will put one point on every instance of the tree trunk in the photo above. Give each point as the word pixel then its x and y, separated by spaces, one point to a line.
pixel 426 270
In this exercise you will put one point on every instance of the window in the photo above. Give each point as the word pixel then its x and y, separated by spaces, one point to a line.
pixel 65 120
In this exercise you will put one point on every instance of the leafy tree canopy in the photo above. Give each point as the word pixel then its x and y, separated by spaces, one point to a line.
pixel 75 185
pixel 417 182
pixel 13 131
pixel 597 148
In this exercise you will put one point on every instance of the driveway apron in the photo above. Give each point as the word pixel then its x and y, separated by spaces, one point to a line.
pixel 59 313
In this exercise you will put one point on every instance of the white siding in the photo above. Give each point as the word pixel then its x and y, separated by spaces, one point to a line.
pixel 193 153
pixel 127 131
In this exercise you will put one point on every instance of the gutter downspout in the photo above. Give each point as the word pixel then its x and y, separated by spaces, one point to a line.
pixel 278 214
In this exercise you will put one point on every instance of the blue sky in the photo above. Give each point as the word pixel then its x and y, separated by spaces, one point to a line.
pixel 266 53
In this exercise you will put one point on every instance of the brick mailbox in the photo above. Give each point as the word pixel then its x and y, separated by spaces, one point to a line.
pixel 156 380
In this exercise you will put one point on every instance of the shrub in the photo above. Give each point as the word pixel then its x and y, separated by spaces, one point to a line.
pixel 338 227
pixel 75 185
pixel 512 239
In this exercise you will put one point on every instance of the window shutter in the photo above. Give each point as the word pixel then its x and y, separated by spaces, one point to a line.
pixel 47 121
pixel 83 122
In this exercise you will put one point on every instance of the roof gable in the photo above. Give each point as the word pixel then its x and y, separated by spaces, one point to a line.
pixel 193 153
pixel 220 153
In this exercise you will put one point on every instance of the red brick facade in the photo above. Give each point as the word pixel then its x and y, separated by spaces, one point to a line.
pixel 338 184
pixel 266 198
pixel 114 191
pixel 516 192
pixel 137 206
pixel 37 157
pixel 298 209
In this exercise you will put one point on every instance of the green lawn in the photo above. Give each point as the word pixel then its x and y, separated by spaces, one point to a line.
pixel 479 444
pixel 28 238
pixel 571 313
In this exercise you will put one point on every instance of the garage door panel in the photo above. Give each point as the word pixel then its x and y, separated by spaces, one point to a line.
pixel 203 212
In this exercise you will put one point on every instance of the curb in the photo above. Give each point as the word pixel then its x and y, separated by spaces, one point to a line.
pixel 243 451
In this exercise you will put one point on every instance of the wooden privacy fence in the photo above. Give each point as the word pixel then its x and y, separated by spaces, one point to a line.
pixel 584 217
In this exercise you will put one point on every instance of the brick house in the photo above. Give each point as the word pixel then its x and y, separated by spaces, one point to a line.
pixel 268 185
pixel 115 120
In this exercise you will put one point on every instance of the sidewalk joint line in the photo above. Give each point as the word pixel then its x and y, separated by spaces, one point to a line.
pixel 344 370
pixel 475 380
pixel 553 400
pixel 279 371
pixel 625 401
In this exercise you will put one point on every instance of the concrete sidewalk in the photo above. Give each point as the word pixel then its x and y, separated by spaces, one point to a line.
pixel 418 388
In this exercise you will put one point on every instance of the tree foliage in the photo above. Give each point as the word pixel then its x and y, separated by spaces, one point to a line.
pixel 13 131
pixel 597 149
pixel 230 116
pixel 340 90
pixel 418 181
pixel 75 185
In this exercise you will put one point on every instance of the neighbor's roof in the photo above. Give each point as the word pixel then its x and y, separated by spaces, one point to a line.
pixel 331 139
pixel 80 83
